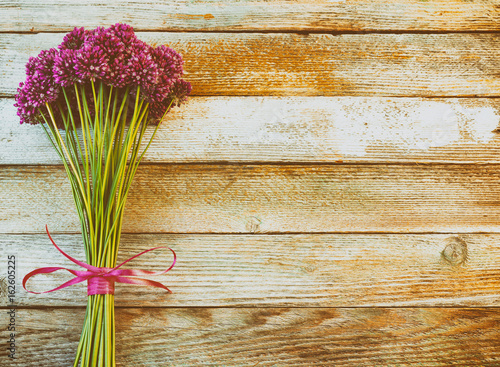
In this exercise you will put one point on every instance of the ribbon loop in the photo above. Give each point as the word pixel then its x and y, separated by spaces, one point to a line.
pixel 101 280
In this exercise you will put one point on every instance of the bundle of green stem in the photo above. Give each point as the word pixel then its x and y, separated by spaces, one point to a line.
pixel 95 96
pixel 101 158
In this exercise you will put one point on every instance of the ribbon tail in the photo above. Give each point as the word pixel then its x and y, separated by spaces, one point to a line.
pixel 140 281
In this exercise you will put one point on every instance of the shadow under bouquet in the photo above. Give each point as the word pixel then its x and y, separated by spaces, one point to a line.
pixel 95 97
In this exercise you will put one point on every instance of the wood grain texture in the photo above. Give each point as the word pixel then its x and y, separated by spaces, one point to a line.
pixel 280 270
pixel 299 129
pixel 237 64
pixel 331 189
pixel 276 15
pixel 271 337
pixel 269 198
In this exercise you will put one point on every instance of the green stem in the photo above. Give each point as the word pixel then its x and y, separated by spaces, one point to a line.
pixel 101 158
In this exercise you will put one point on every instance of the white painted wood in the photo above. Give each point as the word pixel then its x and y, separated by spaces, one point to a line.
pixel 294 129
pixel 276 15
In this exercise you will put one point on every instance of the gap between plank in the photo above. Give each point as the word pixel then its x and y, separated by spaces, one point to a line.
pixel 285 30
pixel 258 307
pixel 282 163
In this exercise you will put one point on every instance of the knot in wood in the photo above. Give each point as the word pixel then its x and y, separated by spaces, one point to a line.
pixel 253 224
pixel 455 251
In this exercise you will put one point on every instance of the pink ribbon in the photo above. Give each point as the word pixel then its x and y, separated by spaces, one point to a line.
pixel 101 280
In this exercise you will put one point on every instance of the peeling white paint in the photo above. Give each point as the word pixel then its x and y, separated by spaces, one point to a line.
pixel 296 128
pixel 350 126
pixel 410 124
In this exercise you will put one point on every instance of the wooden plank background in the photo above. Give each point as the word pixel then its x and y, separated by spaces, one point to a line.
pixel 284 64
pixel 331 188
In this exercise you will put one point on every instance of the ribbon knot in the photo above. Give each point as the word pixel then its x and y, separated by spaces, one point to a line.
pixel 101 280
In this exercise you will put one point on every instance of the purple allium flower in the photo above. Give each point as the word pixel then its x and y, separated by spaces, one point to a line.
pixel 39 87
pixel 180 92
pixel 113 56
pixel 74 40
pixel 91 63
pixel 64 68
pixel 141 68
pixel 169 66
pixel 125 34
pixel 41 79
pixel 169 61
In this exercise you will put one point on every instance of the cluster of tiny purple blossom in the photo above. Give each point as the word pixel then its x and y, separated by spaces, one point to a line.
pixel 113 56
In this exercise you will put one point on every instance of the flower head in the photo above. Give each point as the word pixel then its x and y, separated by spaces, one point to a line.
pixel 91 63
pixel 39 87
pixel 73 40
pixel 113 56
pixel 64 68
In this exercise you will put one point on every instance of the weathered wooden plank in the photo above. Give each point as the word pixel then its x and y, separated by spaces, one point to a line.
pixel 270 337
pixel 277 15
pixel 269 198
pixel 308 65
pixel 279 270
pixel 293 129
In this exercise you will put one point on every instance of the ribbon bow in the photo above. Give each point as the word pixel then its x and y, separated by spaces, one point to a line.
pixel 101 280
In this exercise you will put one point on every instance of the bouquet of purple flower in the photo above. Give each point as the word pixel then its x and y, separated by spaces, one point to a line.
pixel 94 97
